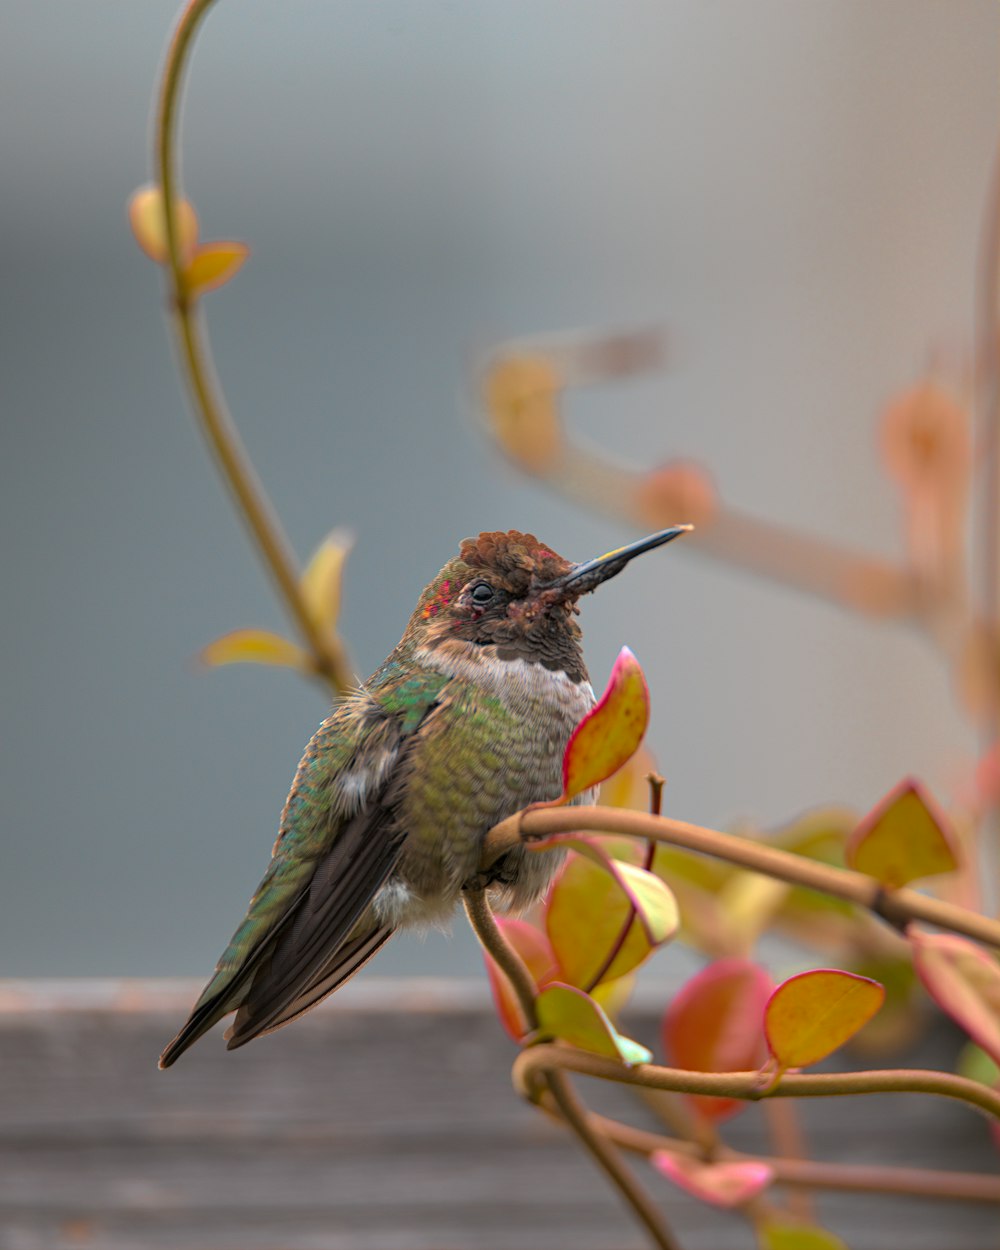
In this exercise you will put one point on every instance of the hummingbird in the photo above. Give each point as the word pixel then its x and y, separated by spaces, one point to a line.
pixel 464 724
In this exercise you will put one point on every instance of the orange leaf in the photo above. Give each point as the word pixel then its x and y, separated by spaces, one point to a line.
pixel 714 1024
pixel 964 981
pixel 680 488
pixel 810 1015
pixel 520 396
pixel 213 264
pixel 925 440
pixel 720 1184
pixel 533 947
pixel 611 732
pixel 146 217
pixel 904 838
pixel 255 646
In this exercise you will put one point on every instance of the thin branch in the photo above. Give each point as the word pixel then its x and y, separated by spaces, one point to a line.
pixel 510 963
pixel 532 1067
pixel 484 925
pixel 788 1140
pixel 798 1173
pixel 215 420
pixel 606 1156
pixel 898 907
pixel 530 421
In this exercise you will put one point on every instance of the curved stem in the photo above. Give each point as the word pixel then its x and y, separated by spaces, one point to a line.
pixel 898 907
pixel 532 1068
pixel 217 424
pixel 510 963
pixel 607 1158
pixel 484 925
pixel 806 1173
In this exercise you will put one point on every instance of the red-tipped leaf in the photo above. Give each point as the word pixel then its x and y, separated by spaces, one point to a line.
pixel 904 838
pixel 611 732
pixel 964 981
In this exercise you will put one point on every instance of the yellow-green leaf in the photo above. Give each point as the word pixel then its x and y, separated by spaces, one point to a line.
pixel 650 896
pixel 613 996
pixel 584 917
pixel 146 217
pixel 255 646
pixel 797 1237
pixel 611 732
pixel 322 579
pixel 964 981
pixel 213 264
pixel 905 838
pixel 812 1014
pixel 566 1013
pixel 976 1065
pixel 747 903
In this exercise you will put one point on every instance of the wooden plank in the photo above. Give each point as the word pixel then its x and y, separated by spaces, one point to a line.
pixel 384 1119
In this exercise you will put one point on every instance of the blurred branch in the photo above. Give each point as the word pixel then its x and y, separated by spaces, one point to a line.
pixel 806 1173
pixel 217 425
pixel 522 385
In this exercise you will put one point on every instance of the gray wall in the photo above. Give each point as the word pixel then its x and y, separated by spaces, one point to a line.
pixel 793 189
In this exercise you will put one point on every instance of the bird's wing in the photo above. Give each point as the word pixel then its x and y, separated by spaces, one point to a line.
pixel 337 845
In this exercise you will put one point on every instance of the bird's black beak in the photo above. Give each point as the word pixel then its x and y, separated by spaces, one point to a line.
pixel 583 578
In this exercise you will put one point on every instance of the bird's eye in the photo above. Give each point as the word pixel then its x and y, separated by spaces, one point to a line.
pixel 481 594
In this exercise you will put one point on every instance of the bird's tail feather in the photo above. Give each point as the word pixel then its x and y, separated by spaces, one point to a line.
pixel 349 959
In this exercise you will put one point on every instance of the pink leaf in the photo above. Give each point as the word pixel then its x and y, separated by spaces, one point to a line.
pixel 720 1184
pixel 714 1024
pixel 964 981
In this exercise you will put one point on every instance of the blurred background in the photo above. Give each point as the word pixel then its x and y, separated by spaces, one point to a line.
pixel 793 191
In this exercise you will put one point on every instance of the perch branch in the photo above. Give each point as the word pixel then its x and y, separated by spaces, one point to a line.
pixel 532 1067
pixel 898 907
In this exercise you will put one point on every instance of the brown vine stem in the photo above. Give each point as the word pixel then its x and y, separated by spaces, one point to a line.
pixel 797 1173
pixel 510 963
pixel 898 907
pixel 605 1154
pixel 216 422
pixel 532 1067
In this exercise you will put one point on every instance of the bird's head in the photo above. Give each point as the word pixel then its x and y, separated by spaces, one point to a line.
pixel 509 592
